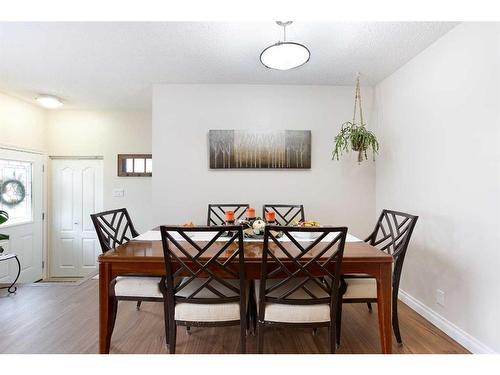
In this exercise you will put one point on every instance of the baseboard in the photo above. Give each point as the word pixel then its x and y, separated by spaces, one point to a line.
pixel 463 338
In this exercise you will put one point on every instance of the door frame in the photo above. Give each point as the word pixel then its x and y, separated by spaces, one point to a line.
pixel 44 155
pixel 50 206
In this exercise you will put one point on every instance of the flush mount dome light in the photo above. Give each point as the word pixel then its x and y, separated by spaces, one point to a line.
pixel 285 55
pixel 49 101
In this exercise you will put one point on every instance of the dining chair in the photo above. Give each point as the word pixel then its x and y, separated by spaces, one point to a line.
pixel 113 228
pixel 286 214
pixel 392 235
pixel 216 212
pixel 204 285
pixel 303 290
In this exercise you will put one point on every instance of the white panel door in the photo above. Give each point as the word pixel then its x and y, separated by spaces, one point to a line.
pixel 21 195
pixel 76 193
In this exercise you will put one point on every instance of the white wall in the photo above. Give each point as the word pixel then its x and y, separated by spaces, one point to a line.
pixel 22 124
pixel 338 193
pixel 439 125
pixel 108 133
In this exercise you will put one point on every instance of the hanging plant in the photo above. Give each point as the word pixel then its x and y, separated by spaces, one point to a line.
pixel 354 136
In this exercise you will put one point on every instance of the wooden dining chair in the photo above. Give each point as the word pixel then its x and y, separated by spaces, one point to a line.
pixel 286 214
pixel 113 228
pixel 303 290
pixel 216 212
pixel 204 285
pixel 392 235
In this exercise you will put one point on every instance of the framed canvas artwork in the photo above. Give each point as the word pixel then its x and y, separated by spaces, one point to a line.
pixel 260 149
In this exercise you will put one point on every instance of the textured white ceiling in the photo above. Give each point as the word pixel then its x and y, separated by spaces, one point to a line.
pixel 113 65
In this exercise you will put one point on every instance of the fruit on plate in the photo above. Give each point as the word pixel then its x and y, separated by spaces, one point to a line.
pixel 308 223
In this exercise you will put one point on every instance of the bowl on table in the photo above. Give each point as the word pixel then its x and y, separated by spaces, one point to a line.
pixel 307 235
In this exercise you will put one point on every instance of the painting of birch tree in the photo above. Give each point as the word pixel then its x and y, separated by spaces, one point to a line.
pixel 256 149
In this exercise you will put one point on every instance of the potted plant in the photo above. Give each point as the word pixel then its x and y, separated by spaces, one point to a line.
pixel 354 136
pixel 4 216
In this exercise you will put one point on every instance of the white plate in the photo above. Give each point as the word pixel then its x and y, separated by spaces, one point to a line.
pixel 306 235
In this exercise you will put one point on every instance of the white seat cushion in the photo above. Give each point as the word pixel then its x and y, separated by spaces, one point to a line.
pixel 138 286
pixel 360 288
pixel 291 313
pixel 207 312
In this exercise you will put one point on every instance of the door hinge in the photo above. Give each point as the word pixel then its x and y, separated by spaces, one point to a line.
pixel 43 215
pixel 43 264
pixel 43 167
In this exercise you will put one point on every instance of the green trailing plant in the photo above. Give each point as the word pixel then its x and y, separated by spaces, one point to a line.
pixel 355 137
pixel 4 216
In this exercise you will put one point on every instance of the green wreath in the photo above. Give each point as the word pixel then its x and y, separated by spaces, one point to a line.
pixel 12 192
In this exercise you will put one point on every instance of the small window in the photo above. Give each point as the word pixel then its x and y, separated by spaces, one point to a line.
pixel 135 165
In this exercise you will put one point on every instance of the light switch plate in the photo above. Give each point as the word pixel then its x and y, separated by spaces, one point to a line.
pixel 440 297
pixel 118 193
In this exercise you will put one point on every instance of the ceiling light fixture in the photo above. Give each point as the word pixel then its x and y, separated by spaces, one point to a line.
pixel 285 55
pixel 49 101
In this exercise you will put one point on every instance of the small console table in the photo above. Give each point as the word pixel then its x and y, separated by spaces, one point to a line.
pixel 11 289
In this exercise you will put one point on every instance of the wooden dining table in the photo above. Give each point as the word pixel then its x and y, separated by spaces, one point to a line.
pixel 144 255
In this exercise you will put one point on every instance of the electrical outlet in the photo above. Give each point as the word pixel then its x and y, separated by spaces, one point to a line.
pixel 119 193
pixel 440 297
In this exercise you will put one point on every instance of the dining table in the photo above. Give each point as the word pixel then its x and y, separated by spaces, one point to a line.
pixel 144 255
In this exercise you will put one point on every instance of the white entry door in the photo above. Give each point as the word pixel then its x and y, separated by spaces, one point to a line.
pixel 21 195
pixel 76 193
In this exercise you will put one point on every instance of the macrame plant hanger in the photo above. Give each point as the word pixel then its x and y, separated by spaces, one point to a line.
pixel 357 98
pixel 360 148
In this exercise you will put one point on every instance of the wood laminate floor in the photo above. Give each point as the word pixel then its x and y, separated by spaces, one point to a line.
pixel 55 318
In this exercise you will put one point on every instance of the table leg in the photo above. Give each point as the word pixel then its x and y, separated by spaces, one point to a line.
pixel 384 306
pixel 104 307
pixel 12 289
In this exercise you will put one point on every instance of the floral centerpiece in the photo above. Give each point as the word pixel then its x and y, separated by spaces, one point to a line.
pixel 253 226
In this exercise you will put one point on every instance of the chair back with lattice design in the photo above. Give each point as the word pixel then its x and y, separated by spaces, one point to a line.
pixel 218 261
pixel 113 228
pixel 392 235
pixel 286 214
pixel 299 271
pixel 216 212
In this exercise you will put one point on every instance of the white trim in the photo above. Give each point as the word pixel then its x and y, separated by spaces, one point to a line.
pixel 21 149
pixel 44 212
pixel 456 333
pixel 96 157
pixel 13 225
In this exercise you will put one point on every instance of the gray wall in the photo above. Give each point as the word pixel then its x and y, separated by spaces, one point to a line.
pixel 439 124
pixel 340 193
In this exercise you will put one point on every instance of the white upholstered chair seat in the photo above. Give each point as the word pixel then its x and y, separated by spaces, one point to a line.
pixel 360 288
pixel 138 286
pixel 207 312
pixel 295 313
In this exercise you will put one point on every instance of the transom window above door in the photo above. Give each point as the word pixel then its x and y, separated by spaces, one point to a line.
pixel 135 165
pixel 15 190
